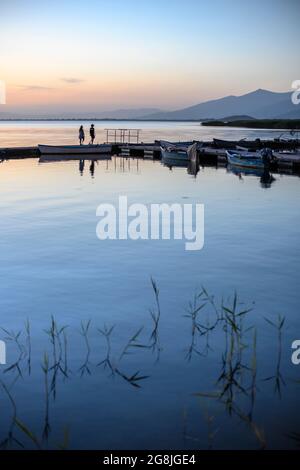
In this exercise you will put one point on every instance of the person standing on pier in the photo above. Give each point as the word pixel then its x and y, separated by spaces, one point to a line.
pixel 81 135
pixel 92 134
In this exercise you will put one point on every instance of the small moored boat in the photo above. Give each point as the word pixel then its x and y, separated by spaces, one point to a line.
pixel 181 153
pixel 245 159
pixel 74 149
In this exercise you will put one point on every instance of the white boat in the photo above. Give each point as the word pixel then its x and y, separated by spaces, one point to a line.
pixel 74 149
pixel 178 145
pixel 173 152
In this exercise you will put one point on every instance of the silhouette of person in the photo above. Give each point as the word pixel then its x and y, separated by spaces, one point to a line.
pixel 81 166
pixel 81 135
pixel 92 168
pixel 92 134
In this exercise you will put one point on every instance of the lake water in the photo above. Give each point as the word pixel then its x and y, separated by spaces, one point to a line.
pixel 80 372
pixel 27 133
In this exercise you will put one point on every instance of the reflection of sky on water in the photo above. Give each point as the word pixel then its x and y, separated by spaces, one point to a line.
pixel 53 264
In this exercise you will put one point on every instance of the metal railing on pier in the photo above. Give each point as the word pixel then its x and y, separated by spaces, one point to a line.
pixel 122 136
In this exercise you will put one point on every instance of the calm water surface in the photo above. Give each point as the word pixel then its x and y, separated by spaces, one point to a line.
pixel 29 133
pixel 190 380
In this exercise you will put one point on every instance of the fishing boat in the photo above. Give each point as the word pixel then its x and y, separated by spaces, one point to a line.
pixel 290 156
pixel 257 144
pixel 245 159
pixel 181 153
pixel 210 151
pixel 180 145
pixel 74 149
pixel 224 144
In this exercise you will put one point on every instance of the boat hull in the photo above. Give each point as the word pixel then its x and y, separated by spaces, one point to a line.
pixel 245 160
pixel 257 144
pixel 180 154
pixel 74 149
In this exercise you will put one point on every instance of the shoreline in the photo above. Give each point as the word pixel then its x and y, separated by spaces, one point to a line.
pixel 270 124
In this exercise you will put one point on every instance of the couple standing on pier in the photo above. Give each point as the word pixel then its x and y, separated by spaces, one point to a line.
pixel 92 134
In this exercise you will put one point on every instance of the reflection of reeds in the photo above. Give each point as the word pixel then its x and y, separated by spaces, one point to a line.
pixel 15 338
pixel 132 379
pixel 65 342
pixel 194 308
pixel 277 377
pixel 106 332
pixel 236 384
pixel 155 315
pixel 84 330
pixel 45 368
pixel 235 370
pixel 55 333
pixel 10 439
pixel 52 336
pixel 253 369
pixel 28 341
pixel 26 431
pixel 132 343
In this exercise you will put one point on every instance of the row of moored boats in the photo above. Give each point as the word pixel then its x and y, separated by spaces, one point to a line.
pixel 243 153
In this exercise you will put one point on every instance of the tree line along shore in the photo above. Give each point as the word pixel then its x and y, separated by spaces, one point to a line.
pixel 291 124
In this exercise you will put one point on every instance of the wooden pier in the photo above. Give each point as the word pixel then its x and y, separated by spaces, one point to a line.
pixel 207 155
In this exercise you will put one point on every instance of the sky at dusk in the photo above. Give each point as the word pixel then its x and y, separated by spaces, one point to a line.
pixel 159 53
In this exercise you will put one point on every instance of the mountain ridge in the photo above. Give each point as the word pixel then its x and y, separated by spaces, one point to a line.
pixel 257 104
pixel 260 104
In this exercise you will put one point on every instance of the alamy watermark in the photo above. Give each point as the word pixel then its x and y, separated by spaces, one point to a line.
pixel 154 221
pixel 2 352
pixel 296 352
pixel 296 94
pixel 2 92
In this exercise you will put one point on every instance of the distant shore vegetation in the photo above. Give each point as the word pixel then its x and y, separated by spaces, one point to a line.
pixel 293 124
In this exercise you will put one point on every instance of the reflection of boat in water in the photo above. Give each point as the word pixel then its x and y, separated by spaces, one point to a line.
pixel 245 171
pixel 174 162
pixel 180 156
pixel 266 178
pixel 191 165
pixel 245 159
pixel 74 149
pixel 66 158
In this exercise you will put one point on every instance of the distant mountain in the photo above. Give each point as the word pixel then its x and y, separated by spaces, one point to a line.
pixel 258 104
pixel 127 113
pixel 242 117
pixel 43 112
